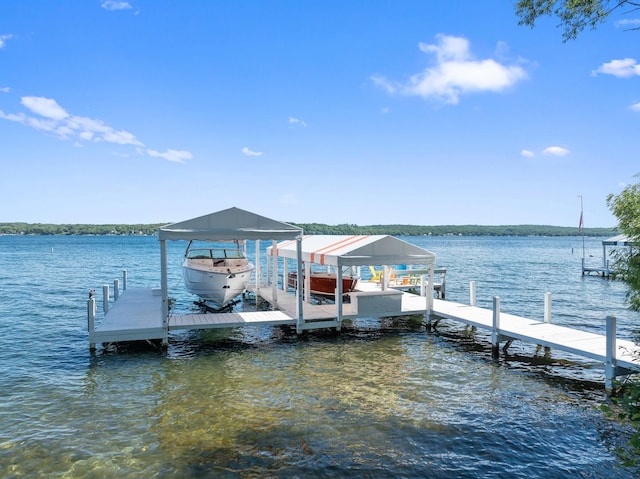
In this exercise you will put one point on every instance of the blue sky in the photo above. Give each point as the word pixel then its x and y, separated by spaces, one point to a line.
pixel 364 112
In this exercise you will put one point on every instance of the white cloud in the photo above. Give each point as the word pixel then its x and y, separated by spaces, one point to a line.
pixel 54 119
pixel 455 73
pixel 46 107
pixel 296 121
pixel 624 68
pixel 5 89
pixel 172 155
pixel 632 22
pixel 3 39
pixel 555 151
pixel 249 152
pixel 113 5
pixel 635 107
pixel 527 154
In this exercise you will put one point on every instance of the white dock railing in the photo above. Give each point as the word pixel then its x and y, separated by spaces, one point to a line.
pixel 91 303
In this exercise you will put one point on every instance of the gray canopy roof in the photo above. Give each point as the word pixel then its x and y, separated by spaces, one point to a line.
pixel 230 224
pixel 620 240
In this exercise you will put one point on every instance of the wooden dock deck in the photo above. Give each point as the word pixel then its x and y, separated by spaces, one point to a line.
pixel 136 315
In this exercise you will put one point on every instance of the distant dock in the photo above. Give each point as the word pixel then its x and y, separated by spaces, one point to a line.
pixel 136 315
pixel 604 270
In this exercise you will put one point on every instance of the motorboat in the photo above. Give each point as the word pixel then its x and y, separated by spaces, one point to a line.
pixel 324 283
pixel 216 273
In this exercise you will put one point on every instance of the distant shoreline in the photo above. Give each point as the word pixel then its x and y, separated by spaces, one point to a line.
pixel 316 228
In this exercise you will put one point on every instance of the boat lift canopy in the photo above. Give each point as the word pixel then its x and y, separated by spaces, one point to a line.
pixel 230 224
pixel 620 240
pixel 355 250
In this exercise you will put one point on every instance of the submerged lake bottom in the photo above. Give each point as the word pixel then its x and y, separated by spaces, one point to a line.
pixel 385 400
pixel 382 398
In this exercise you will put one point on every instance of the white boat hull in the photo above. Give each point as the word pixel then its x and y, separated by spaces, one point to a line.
pixel 217 284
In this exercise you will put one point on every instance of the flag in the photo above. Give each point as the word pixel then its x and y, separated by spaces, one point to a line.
pixel 580 224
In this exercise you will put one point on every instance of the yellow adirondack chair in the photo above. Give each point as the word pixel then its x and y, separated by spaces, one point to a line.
pixel 376 276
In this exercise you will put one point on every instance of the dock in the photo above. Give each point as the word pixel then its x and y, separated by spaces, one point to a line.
pixel 136 315
pixel 618 356
pixel 406 285
pixel 603 270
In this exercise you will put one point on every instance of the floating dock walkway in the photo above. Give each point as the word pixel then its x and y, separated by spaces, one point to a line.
pixel 136 315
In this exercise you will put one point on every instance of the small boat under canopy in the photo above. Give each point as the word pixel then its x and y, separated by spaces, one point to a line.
pixel 324 283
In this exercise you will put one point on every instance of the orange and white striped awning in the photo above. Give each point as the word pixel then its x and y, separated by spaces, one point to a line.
pixel 353 250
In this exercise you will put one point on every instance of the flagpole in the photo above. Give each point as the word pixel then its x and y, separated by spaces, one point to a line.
pixel 581 225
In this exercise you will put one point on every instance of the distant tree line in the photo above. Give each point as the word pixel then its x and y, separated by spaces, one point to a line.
pixel 77 229
pixel 318 228
pixel 453 230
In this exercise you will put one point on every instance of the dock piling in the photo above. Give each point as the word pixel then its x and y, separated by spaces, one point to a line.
pixel 547 307
pixel 495 331
pixel 472 293
pixel 116 289
pixel 91 320
pixel 105 298
pixel 610 361
pixel 124 280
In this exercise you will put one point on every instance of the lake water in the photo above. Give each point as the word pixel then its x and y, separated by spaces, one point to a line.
pixel 383 399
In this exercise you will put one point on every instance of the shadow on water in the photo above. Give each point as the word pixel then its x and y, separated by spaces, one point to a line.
pixel 555 368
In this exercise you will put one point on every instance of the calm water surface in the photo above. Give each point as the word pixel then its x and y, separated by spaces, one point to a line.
pixel 383 399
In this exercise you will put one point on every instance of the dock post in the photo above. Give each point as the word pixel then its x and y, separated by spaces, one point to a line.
pixel 610 362
pixel 472 293
pixel 91 320
pixel 124 280
pixel 299 298
pixel 116 289
pixel 274 274
pixel 105 298
pixel 495 332
pixel 547 307
pixel 285 274
pixel 164 288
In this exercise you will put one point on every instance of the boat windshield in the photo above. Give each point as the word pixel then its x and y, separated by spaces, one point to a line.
pixel 215 253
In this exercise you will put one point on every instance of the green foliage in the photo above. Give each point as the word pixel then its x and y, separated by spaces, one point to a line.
pixel 627 409
pixel 574 15
pixel 626 207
